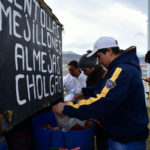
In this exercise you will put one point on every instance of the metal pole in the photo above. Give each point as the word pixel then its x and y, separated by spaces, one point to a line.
pixel 148 36
pixel 148 47
pixel 148 25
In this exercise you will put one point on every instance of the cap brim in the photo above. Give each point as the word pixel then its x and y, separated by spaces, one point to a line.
pixel 92 53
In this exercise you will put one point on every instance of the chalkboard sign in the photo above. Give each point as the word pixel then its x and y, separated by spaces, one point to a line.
pixel 30 59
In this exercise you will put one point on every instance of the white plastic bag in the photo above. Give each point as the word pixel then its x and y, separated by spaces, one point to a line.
pixel 65 123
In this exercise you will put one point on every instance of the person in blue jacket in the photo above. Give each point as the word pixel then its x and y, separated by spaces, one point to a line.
pixel 118 100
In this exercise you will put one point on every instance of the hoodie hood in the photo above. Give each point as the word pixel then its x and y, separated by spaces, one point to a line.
pixel 128 56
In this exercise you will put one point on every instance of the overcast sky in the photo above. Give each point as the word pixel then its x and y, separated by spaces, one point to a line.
pixel 86 20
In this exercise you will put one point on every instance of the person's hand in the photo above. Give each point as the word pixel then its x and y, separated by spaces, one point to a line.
pixel 147 79
pixel 58 108
pixel 78 96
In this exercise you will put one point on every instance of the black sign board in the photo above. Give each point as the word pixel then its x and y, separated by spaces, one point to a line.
pixel 30 60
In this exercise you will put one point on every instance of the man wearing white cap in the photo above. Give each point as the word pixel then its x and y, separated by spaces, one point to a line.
pixel 118 100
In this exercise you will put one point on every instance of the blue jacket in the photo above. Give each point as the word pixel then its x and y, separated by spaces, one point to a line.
pixel 118 100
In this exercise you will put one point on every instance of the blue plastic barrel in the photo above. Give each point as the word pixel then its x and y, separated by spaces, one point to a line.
pixel 3 146
pixel 44 139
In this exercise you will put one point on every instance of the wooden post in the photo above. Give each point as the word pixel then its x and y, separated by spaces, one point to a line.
pixel 42 4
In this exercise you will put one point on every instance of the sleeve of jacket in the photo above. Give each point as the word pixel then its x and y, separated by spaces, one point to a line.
pixel 89 91
pixel 110 97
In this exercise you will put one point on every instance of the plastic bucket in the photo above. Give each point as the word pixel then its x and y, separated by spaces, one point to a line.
pixel 3 146
pixel 44 139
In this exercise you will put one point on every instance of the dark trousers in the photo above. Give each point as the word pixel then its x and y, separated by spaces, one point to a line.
pixel 101 138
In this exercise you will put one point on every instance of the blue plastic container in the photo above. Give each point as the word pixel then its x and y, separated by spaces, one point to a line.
pixel 44 139
pixel 3 146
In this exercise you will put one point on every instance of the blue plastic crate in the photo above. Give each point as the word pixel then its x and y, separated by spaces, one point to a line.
pixel 45 138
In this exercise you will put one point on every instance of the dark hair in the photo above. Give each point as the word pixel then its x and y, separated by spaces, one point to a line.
pixel 104 50
pixel 95 76
pixel 116 50
pixel 147 57
pixel 73 63
pixel 87 62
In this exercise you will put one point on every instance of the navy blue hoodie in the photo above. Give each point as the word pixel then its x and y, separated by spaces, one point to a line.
pixel 118 100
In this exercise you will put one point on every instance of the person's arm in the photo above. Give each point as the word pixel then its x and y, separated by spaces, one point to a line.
pixel 146 79
pixel 112 95
pixel 87 92
pixel 78 96
pixel 90 91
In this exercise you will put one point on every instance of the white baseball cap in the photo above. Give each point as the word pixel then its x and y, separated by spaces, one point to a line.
pixel 103 42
